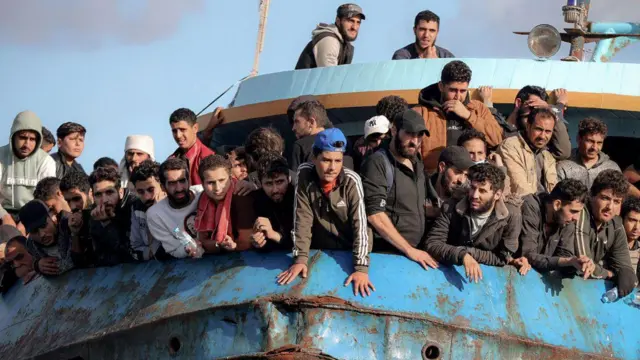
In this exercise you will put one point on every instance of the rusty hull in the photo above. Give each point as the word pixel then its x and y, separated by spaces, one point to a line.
pixel 231 307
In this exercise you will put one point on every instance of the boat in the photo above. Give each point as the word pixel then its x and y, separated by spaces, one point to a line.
pixel 230 307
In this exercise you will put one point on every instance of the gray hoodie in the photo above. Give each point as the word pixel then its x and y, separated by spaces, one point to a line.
pixel 18 177
pixel 575 169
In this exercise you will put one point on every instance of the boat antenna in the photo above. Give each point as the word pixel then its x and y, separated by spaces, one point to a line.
pixel 264 13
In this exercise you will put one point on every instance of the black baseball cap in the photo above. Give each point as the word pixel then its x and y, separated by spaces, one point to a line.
pixel 349 11
pixel 456 156
pixel 410 121
pixel 34 215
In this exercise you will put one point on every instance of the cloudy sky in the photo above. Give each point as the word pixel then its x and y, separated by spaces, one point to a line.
pixel 121 67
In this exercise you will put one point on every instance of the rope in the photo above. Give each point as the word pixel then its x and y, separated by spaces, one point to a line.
pixel 224 92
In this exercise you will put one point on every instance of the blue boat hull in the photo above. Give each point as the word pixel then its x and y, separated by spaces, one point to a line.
pixel 227 307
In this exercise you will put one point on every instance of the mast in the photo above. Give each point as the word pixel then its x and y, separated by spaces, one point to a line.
pixel 264 13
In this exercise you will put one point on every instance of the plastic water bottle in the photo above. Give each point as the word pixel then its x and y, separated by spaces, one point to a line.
pixel 633 299
pixel 610 296
pixel 187 241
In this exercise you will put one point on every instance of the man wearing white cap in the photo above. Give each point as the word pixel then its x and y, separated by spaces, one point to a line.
pixel 376 130
pixel 137 148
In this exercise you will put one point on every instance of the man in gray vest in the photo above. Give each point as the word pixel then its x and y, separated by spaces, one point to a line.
pixel 331 43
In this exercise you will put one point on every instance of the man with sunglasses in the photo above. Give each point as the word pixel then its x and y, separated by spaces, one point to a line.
pixel 54 239
pixel 15 260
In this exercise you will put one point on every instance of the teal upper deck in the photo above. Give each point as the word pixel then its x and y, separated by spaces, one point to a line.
pixel 513 74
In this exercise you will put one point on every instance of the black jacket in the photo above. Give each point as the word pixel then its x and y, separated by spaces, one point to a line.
pixel 450 238
pixel 63 169
pixel 543 252
pixel 279 214
pixel 607 248
pixel 111 242
pixel 403 202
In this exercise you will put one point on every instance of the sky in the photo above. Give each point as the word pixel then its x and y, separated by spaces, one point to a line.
pixel 121 67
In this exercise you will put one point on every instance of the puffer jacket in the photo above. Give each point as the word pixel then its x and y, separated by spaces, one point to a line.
pixel 436 120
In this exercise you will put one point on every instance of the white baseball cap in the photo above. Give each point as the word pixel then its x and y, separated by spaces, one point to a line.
pixel 376 125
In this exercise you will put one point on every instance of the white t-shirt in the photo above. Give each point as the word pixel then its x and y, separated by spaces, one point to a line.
pixel 162 219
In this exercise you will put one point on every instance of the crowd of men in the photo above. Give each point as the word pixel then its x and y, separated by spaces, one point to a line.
pixel 448 181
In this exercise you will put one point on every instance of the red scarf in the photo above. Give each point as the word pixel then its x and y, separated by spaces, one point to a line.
pixel 194 155
pixel 216 218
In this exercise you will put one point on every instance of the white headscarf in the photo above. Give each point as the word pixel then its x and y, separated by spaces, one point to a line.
pixel 143 143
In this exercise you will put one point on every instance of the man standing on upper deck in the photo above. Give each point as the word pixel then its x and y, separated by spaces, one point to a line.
pixel 331 43
pixel 185 132
pixel 447 111
pixel 426 28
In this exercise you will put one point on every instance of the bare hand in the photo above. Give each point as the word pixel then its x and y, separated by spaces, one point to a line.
pixel 99 213
pixel 536 103
pixel 562 96
pixel 288 276
pixel 258 240
pixel 75 223
pixel 264 225
pixel 423 258
pixel 244 187
pixel 432 53
pixel 486 94
pixel 49 266
pixel 361 283
pixel 587 266
pixel 522 264
pixel 193 251
pixel 457 108
pixel 472 268
pixel 495 159
pixel 228 243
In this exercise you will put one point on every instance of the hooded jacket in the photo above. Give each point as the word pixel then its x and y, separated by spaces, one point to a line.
pixel 450 238
pixel 19 177
pixel 438 123
pixel 574 168
pixel 326 48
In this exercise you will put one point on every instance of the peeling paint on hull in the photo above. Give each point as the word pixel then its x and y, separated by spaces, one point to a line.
pixel 230 307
